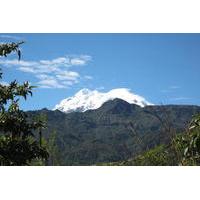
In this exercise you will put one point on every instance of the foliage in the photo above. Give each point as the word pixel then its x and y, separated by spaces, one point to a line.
pixel 19 151
pixel 184 149
pixel 7 48
pixel 188 144
pixel 18 144
pixel 157 156
pixel 104 135
pixel 55 158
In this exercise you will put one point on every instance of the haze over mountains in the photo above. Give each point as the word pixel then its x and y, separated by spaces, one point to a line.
pixel 87 99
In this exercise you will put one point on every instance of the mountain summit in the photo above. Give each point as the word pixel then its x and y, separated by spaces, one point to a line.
pixel 87 99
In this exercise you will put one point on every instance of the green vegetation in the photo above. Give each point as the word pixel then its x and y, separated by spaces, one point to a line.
pixel 153 157
pixel 18 144
pixel 8 48
pixel 55 156
pixel 184 150
pixel 157 156
pixel 188 144
pixel 115 132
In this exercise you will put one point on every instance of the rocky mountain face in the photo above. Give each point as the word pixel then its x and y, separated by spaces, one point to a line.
pixel 115 131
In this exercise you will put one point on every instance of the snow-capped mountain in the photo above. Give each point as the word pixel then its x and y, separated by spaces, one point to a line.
pixel 87 99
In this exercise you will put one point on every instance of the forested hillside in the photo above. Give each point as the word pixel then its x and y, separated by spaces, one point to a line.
pixel 116 131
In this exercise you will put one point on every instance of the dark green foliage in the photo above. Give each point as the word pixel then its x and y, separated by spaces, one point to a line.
pixel 188 144
pixel 154 157
pixel 115 132
pixel 55 156
pixel 158 156
pixel 18 146
pixel 184 149
pixel 7 48
pixel 19 151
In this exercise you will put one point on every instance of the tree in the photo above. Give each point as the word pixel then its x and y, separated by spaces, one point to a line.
pixel 55 155
pixel 188 144
pixel 18 142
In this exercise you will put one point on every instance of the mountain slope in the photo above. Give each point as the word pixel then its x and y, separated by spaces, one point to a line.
pixel 115 131
pixel 89 100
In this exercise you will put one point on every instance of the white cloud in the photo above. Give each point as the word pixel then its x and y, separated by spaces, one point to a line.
pixel 68 75
pixel 69 83
pixel 49 82
pixel 67 61
pixel 26 69
pixel 77 61
pixel 16 62
pixel 171 89
pixel 81 60
pixel 88 77
pixel 53 73
pixel 174 87
pixel 46 66
pixel 4 83
pixel 180 98
pixel 43 76
pixel 64 61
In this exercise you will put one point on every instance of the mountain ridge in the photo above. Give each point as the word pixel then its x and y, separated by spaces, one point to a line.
pixel 110 133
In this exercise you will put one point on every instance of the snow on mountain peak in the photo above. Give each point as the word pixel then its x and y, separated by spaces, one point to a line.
pixel 87 99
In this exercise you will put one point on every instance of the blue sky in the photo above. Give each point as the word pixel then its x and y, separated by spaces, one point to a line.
pixel 163 68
